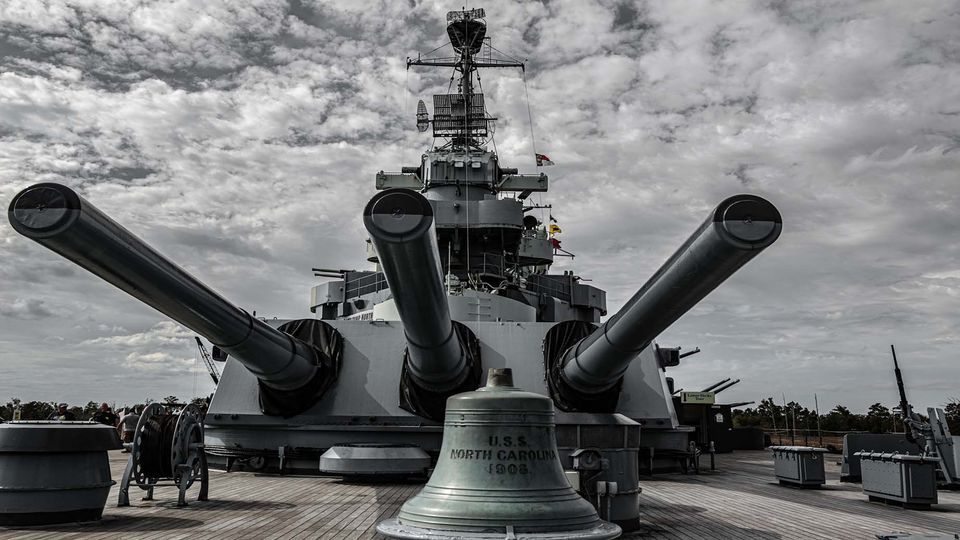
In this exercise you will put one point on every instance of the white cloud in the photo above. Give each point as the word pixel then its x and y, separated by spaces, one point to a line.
pixel 241 140
pixel 25 308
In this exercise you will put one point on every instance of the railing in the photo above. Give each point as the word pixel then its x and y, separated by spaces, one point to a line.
pixel 361 283
pixel 364 284
pixel 556 286
pixel 490 264
pixel 807 437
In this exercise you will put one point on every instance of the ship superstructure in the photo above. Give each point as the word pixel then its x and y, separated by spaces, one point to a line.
pixel 494 252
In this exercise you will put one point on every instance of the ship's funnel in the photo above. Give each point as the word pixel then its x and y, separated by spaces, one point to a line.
pixel 735 232
pixel 59 219
pixel 499 473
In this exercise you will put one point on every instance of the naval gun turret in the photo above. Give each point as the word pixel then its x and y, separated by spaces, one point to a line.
pixel 293 373
pixel 735 232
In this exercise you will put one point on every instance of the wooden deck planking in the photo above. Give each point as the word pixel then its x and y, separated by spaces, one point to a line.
pixel 738 501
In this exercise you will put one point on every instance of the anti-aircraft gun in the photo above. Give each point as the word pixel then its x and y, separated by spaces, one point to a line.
pixel 294 367
pixel 931 435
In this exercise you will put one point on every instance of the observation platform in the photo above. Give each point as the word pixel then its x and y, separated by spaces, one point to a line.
pixel 738 501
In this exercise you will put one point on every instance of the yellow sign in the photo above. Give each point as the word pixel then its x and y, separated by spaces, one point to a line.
pixel 703 398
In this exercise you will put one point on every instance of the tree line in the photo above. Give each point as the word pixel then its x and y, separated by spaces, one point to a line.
pixel 877 419
pixel 767 415
pixel 41 410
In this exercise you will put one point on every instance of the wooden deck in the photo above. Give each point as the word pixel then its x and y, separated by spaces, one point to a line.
pixel 740 500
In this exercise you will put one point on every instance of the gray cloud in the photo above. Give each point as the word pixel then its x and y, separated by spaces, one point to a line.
pixel 241 140
pixel 29 309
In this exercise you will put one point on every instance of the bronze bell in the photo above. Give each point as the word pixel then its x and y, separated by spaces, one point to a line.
pixel 498 475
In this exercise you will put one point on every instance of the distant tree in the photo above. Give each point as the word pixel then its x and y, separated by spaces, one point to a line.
pixel 88 410
pixel 749 418
pixel 10 408
pixel 878 418
pixel 170 400
pixel 796 415
pixel 769 409
pixel 36 410
pixel 952 412
pixel 839 419
pixel 199 401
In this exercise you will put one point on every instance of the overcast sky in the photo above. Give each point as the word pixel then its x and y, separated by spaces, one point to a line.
pixel 241 139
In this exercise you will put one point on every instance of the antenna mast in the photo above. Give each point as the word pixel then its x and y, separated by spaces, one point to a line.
pixel 462 117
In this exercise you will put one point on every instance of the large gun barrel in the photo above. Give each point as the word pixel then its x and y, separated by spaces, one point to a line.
pixel 400 223
pixel 905 409
pixel 59 219
pixel 724 387
pixel 735 232
pixel 712 386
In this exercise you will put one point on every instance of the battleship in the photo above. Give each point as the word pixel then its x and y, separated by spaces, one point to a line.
pixel 460 283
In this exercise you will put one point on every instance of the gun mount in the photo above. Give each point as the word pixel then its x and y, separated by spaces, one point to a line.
pixel 931 435
pixel 400 223
pixel 293 373
pixel 735 232
pixel 910 418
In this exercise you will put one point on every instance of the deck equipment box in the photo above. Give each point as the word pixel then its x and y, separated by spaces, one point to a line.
pixel 895 443
pixel 799 465
pixel 900 478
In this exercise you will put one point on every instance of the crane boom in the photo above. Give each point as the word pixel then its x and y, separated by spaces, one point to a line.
pixel 207 361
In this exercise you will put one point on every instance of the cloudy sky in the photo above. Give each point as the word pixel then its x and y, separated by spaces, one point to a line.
pixel 241 139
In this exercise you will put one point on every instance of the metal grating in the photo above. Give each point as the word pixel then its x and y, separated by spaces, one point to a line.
pixel 452 117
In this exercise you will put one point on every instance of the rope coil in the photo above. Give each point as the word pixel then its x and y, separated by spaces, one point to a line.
pixel 157 446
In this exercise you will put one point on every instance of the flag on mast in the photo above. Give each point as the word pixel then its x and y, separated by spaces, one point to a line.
pixel 543 160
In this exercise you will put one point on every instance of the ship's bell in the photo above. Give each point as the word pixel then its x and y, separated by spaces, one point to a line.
pixel 498 475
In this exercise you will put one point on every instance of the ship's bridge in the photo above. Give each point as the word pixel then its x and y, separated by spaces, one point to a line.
pixel 460 168
pixel 474 168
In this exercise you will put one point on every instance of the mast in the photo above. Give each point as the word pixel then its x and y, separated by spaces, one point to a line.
pixel 462 117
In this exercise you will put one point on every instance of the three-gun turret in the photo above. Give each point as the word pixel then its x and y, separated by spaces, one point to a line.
pixel 292 372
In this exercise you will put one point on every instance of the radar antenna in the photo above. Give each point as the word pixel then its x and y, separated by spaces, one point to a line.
pixel 462 117
pixel 423 119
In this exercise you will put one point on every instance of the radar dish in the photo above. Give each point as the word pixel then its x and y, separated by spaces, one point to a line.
pixel 466 30
pixel 423 119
